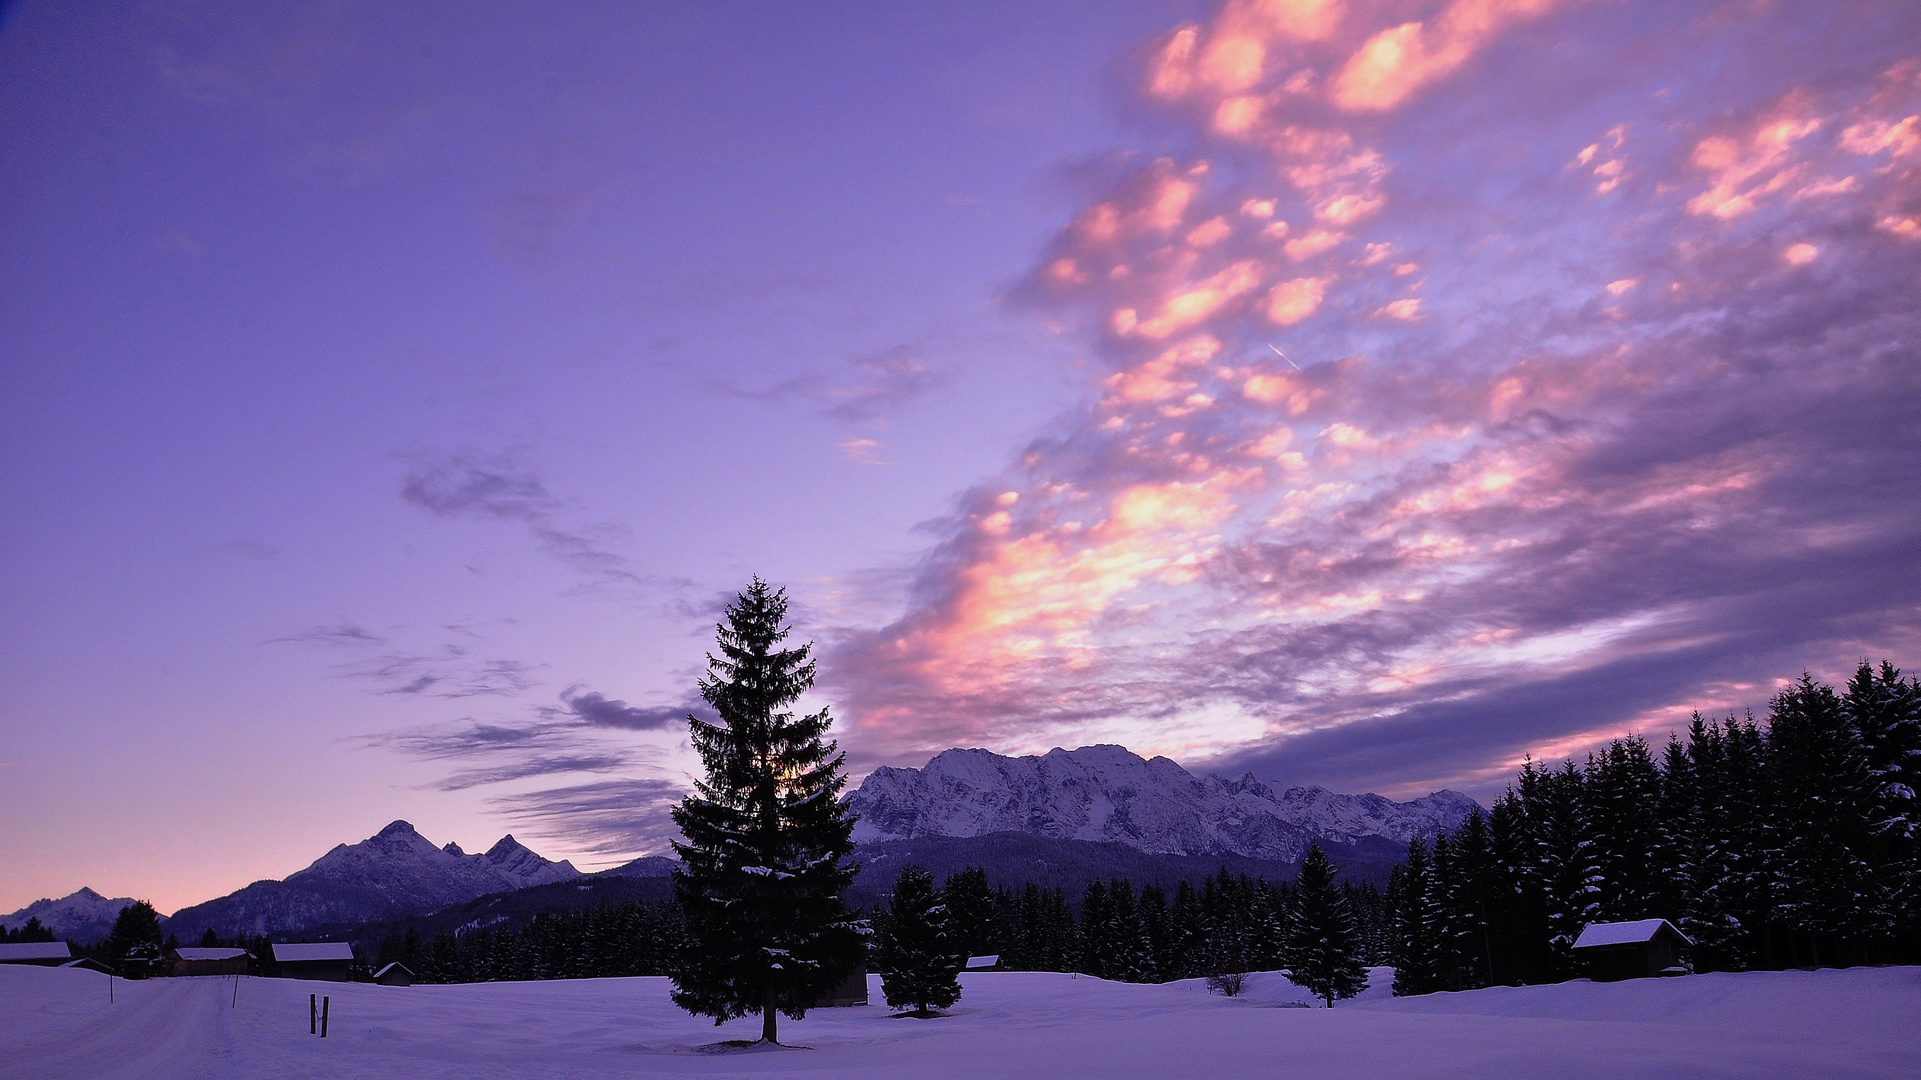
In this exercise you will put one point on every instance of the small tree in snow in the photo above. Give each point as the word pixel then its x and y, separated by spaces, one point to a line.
pixel 919 965
pixel 1323 945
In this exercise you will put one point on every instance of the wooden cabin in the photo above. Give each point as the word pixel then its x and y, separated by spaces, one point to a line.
pixel 204 961
pixel 44 953
pixel 1631 950
pixel 88 963
pixel 326 960
pixel 395 974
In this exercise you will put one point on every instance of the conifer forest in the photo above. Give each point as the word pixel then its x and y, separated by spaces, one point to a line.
pixel 1781 841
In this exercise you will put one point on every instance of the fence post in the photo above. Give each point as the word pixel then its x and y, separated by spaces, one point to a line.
pixel 323 1016
pixel 313 1015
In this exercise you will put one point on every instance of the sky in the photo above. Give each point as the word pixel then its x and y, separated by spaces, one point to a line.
pixel 1365 394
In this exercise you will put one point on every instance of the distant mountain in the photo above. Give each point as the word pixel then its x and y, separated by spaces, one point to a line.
pixel 391 874
pixel 83 916
pixel 1107 793
pixel 647 866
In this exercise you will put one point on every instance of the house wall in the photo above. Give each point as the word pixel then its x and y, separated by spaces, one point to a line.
pixel 324 970
pixel 235 966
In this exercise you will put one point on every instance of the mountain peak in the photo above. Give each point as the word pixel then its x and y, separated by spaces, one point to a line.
pixel 506 847
pixel 394 872
pixel 82 915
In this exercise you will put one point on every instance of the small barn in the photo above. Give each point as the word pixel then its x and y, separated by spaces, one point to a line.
pixel 394 974
pixel 327 960
pixel 1631 950
pixel 44 953
pixel 851 991
pixel 88 963
pixel 203 961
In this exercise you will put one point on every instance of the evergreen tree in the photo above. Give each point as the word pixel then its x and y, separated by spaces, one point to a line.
pixel 1676 819
pixel 970 912
pixel 1449 932
pixel 1621 799
pixel 1417 922
pixel 1154 918
pixel 1713 873
pixel 1470 898
pixel 1129 952
pixel 1885 710
pixel 920 966
pixel 1517 908
pixel 1565 857
pixel 1825 879
pixel 765 860
pixel 1187 935
pixel 134 942
pixel 1096 923
pixel 1323 945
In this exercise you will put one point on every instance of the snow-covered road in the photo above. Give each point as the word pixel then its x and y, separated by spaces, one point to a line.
pixel 58 1024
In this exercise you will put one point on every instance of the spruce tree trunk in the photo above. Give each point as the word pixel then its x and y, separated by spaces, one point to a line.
pixel 767 1018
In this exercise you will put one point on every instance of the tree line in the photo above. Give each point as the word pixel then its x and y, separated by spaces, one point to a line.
pixel 1785 842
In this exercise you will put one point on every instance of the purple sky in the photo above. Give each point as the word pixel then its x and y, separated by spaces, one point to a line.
pixel 390 397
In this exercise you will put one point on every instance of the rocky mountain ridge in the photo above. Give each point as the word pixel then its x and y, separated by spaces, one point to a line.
pixel 394 872
pixel 1108 793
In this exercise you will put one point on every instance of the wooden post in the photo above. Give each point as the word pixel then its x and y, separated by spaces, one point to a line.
pixel 323 1016
pixel 313 1015
pixel 109 987
pixel 236 993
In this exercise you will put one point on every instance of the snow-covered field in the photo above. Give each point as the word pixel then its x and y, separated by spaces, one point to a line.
pixel 1865 1022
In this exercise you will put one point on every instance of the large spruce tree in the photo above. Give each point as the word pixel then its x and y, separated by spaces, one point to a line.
pixel 1323 950
pixel 920 962
pixel 767 843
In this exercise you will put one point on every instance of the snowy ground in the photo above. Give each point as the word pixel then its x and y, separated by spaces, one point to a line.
pixel 1865 1022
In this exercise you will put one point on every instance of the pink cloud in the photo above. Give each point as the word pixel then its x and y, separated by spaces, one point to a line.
pixel 1563 454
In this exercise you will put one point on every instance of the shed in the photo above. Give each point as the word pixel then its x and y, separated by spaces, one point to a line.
pixel 395 974
pixel 328 960
pixel 202 961
pixel 984 963
pixel 44 953
pixel 851 991
pixel 88 963
pixel 1631 950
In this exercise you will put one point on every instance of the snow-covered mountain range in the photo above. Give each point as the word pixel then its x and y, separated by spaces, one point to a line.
pixel 1104 794
pixel 1108 793
pixel 79 916
pixel 394 872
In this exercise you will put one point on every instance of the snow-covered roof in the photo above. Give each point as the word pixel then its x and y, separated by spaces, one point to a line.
pixel 983 961
pixel 315 950
pixel 390 967
pixel 209 954
pixel 1624 933
pixel 35 950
